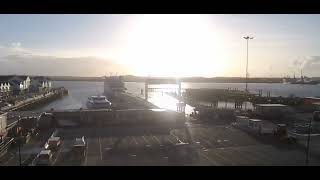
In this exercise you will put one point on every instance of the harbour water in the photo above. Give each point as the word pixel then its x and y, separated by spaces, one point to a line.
pixel 79 92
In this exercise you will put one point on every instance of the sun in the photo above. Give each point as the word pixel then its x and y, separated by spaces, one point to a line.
pixel 172 45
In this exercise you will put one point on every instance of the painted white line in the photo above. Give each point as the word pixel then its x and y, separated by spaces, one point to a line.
pixel 170 141
pixel 100 148
pixel 87 150
pixel 154 137
pixel 145 139
pixel 177 138
pixel 58 154
pixel 12 156
pixel 134 139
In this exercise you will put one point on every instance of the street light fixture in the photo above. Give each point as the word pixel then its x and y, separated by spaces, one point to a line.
pixel 247 38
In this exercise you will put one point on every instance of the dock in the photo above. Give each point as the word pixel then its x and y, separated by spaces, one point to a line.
pixel 135 132
pixel 235 96
pixel 37 100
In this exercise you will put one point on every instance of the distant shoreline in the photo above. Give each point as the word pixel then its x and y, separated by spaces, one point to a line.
pixel 186 79
pixel 84 80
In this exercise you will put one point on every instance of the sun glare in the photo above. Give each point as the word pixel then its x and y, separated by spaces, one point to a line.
pixel 172 45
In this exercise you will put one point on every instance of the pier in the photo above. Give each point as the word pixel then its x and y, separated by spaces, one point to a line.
pixel 136 132
pixel 37 100
pixel 238 97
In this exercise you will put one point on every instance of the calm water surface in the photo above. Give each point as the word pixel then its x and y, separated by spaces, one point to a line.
pixel 79 91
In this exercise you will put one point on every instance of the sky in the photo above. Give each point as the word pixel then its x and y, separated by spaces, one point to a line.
pixel 160 45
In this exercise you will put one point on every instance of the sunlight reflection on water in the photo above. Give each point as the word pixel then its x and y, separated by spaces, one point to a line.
pixel 165 101
pixel 80 91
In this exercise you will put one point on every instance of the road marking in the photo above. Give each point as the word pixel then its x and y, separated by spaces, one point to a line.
pixel 145 139
pixel 100 148
pixel 128 140
pixel 211 161
pixel 12 156
pixel 177 138
pixel 134 139
pixel 87 150
pixel 154 137
pixel 58 154
pixel 210 141
pixel 170 140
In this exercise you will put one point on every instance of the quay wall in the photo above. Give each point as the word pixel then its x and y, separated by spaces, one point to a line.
pixel 193 96
pixel 38 101
pixel 159 117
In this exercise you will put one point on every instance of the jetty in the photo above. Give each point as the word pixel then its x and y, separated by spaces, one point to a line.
pixel 238 97
pixel 136 132
pixel 36 100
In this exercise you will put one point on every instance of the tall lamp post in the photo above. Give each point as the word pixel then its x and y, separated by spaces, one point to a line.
pixel 247 38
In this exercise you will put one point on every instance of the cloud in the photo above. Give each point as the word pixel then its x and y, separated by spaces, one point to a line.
pixel 311 61
pixel 297 62
pixel 310 65
pixel 19 60
pixel 14 49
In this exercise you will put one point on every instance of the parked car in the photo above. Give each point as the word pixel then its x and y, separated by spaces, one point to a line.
pixel 79 149
pixel 44 158
pixel 53 143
